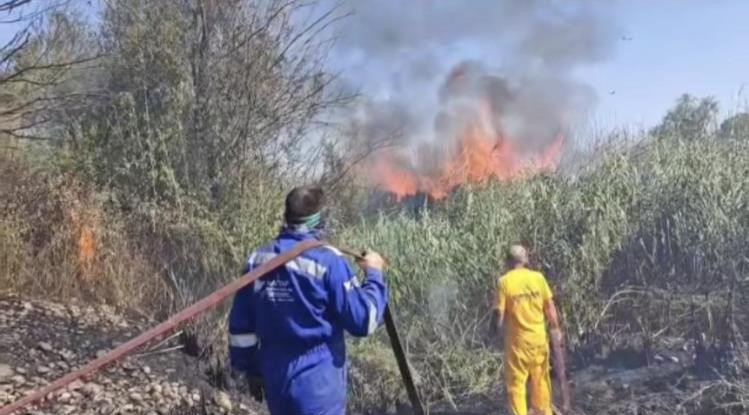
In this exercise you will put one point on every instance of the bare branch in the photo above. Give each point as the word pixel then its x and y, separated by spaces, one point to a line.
pixel 22 136
pixel 34 14
pixel 19 41
pixel 45 67
pixel 10 5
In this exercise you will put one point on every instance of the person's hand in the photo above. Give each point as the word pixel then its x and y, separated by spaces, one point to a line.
pixel 371 260
pixel 256 388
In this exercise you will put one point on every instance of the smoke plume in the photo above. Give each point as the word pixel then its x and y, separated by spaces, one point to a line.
pixel 458 78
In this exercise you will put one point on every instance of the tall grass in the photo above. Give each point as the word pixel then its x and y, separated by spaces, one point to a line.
pixel 649 241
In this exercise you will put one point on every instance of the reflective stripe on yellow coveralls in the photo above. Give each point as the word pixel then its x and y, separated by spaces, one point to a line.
pixel 521 297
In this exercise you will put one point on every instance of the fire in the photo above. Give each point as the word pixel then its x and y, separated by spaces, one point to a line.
pixel 483 152
pixel 396 180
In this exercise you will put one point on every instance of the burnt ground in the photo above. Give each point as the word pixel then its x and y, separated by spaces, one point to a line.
pixel 667 380
pixel 41 341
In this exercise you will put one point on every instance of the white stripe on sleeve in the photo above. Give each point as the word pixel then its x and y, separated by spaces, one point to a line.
pixel 307 266
pixel 243 340
pixel 372 317
pixel 351 284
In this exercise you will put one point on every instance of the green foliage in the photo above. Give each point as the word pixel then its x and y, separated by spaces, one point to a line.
pixel 630 244
pixel 203 100
pixel 190 131
pixel 690 119
pixel 735 127
pixel 198 127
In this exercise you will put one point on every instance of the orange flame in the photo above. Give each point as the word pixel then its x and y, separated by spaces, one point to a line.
pixel 483 152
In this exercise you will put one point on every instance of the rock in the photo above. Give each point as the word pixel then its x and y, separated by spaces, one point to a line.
pixel 5 372
pixel 75 385
pixel 223 400
pixel 74 310
pixel 21 370
pixel 127 366
pixel 45 346
pixel 67 355
pixel 91 390
pixel 18 379
pixel 58 311
pixel 101 353
pixel 146 370
pixel 42 369
pixel 155 389
pixel 137 397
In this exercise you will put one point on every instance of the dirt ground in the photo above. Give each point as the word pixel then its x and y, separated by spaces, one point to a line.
pixel 40 342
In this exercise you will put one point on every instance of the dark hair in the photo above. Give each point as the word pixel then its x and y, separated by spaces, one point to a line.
pixel 302 202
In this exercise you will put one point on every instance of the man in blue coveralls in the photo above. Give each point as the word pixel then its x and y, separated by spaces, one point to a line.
pixel 287 328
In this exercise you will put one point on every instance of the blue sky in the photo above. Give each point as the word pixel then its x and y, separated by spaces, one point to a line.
pixel 695 46
pixel 673 46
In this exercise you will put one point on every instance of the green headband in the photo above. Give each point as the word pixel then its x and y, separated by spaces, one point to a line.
pixel 312 220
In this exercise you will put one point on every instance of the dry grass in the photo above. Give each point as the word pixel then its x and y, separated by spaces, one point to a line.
pixel 57 241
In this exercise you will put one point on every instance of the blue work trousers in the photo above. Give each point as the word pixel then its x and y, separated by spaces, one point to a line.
pixel 312 384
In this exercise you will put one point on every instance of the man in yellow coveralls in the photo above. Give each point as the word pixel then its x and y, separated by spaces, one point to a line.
pixel 524 306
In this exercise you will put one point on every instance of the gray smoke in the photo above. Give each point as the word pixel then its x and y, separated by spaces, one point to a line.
pixel 421 63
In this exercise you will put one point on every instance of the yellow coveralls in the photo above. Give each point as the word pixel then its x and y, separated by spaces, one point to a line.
pixel 521 295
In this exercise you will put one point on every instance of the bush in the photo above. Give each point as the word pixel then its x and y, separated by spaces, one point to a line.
pixel 58 241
